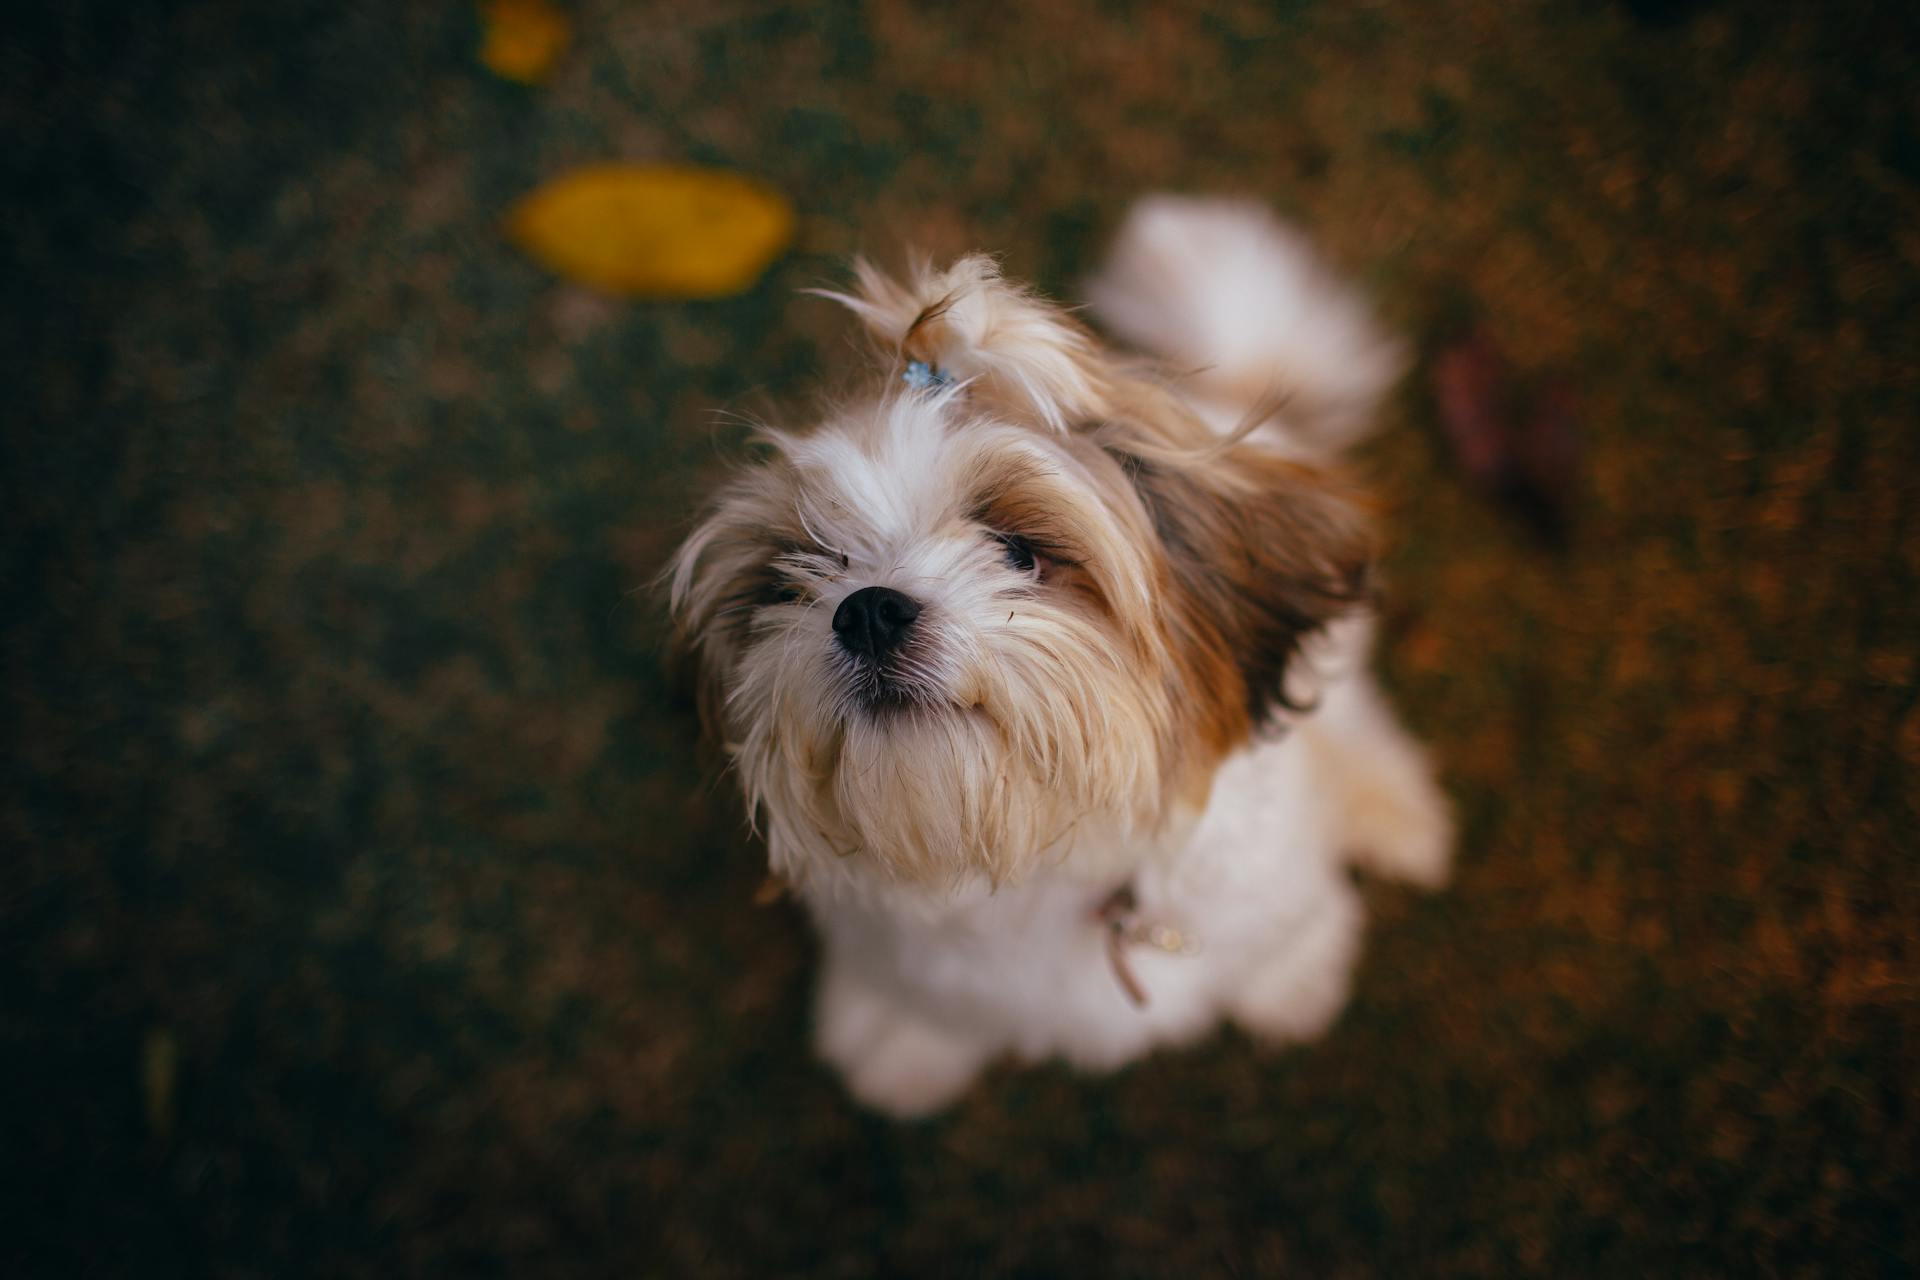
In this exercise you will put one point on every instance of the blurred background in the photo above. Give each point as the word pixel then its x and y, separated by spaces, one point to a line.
pixel 366 909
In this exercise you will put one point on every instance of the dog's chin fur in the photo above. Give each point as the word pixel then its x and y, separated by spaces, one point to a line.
pixel 1114 603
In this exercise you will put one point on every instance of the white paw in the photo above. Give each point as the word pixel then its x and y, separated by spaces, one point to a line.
pixel 1398 824
pixel 914 1069
pixel 849 1017
pixel 1299 990
pixel 891 1059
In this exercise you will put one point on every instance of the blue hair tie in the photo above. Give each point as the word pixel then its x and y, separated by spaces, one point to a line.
pixel 921 375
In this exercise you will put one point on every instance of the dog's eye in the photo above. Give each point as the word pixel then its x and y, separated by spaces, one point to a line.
pixel 782 590
pixel 1018 551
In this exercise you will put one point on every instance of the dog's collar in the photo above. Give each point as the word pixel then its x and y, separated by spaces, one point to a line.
pixel 1119 912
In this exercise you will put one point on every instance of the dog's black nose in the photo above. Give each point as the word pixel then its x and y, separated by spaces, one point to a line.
pixel 873 621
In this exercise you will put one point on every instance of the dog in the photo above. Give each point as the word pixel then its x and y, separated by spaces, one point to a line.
pixel 1042 666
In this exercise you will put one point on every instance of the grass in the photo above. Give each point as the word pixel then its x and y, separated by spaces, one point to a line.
pixel 346 774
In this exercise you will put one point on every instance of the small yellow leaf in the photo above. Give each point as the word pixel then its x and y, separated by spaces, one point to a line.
pixel 522 39
pixel 658 230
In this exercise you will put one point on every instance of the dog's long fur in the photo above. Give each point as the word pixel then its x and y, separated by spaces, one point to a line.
pixel 1138 662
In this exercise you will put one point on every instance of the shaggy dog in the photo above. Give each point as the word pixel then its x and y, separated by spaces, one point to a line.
pixel 1044 673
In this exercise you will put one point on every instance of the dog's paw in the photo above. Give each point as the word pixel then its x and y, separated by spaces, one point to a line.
pixel 849 1018
pixel 1400 825
pixel 891 1059
pixel 1298 991
pixel 914 1069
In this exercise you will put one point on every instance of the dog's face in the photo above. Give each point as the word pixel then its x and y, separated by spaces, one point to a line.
pixel 950 628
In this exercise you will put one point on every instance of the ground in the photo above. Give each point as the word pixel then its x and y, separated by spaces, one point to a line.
pixel 366 910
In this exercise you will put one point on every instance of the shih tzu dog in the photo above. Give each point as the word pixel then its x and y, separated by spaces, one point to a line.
pixel 1043 668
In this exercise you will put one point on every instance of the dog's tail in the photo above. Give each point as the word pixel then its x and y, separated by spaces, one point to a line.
pixel 1240 303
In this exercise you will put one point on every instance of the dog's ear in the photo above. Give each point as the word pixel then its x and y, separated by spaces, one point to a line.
pixel 705 641
pixel 694 674
pixel 718 578
pixel 1017 353
pixel 1262 552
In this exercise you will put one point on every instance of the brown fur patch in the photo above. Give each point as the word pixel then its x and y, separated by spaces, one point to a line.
pixel 1261 551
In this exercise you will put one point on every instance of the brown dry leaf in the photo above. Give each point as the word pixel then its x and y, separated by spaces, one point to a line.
pixel 1518 444
pixel 522 39
pixel 656 230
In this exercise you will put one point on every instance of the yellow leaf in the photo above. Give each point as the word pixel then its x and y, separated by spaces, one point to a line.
pixel 522 39
pixel 658 230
